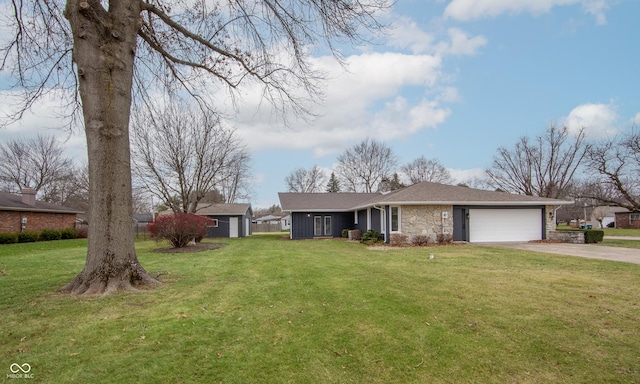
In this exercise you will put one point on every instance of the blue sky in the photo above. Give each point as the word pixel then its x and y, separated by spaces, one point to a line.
pixel 454 80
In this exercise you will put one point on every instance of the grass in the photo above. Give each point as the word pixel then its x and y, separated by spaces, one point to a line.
pixel 267 310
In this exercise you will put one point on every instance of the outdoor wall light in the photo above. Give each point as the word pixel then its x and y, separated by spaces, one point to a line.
pixel 551 215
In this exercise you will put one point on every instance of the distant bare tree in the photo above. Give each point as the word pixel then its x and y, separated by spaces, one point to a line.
pixel 422 169
pixel 362 167
pixel 615 165
pixel 306 180
pixel 235 182
pixel 37 163
pixel 544 166
pixel 179 154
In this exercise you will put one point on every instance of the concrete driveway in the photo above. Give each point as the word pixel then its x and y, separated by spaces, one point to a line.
pixel 591 251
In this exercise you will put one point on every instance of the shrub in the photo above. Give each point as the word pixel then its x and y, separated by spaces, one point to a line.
pixel 420 240
pixel 593 236
pixel 68 234
pixel 82 233
pixel 28 237
pixel 8 238
pixel 179 228
pixel 370 237
pixel 399 239
pixel 50 234
pixel 444 238
pixel 345 233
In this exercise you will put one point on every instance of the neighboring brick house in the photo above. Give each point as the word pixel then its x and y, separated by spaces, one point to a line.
pixel 23 212
pixel 629 220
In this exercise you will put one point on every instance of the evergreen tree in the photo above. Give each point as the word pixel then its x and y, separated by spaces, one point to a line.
pixel 333 185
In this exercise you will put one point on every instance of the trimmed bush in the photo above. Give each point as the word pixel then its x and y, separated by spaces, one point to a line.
pixel 420 240
pixel 8 238
pixel 50 234
pixel 370 237
pixel 593 236
pixel 68 234
pixel 399 239
pixel 445 238
pixel 28 237
pixel 179 229
pixel 345 233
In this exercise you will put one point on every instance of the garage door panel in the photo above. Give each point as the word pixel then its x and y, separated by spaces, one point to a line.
pixel 495 225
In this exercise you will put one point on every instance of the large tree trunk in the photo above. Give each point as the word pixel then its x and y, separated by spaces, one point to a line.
pixel 104 52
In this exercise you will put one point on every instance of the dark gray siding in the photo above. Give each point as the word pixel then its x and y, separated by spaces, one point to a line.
pixel 222 230
pixel 302 224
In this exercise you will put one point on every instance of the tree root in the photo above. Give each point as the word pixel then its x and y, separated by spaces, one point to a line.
pixel 97 284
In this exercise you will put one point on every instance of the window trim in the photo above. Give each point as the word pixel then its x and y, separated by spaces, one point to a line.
pixel 317 230
pixel 399 219
pixel 327 228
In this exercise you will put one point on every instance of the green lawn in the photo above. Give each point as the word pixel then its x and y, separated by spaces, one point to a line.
pixel 267 310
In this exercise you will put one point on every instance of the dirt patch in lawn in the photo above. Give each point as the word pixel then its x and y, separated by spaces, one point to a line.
pixel 198 247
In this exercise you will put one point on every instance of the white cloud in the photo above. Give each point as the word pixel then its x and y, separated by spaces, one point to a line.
pixel 466 10
pixel 382 95
pixel 45 117
pixel 635 120
pixel 406 34
pixel 460 43
pixel 598 120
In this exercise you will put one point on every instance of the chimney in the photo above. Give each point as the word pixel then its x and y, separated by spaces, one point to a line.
pixel 29 196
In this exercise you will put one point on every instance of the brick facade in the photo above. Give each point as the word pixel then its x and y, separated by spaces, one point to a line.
pixel 10 221
pixel 623 220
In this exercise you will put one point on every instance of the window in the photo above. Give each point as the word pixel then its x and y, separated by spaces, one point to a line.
pixel 395 219
pixel 635 216
pixel 212 223
pixel 327 225
pixel 317 226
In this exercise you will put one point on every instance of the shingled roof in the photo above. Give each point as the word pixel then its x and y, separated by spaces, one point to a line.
pixel 424 193
pixel 436 193
pixel 11 202
pixel 222 209
pixel 323 202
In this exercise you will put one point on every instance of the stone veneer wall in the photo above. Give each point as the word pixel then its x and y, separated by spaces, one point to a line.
pixel 550 221
pixel 425 220
pixel 574 237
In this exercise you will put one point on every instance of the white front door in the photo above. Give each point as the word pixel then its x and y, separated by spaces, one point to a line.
pixel 233 227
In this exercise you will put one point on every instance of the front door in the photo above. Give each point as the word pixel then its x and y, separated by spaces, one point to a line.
pixel 460 224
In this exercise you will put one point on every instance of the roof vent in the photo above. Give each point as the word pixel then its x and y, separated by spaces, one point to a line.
pixel 29 196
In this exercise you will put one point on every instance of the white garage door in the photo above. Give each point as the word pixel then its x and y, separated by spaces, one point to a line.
pixel 495 225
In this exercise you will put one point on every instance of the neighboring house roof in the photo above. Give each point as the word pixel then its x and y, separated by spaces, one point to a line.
pixel 223 209
pixel 318 202
pixel 269 218
pixel 143 218
pixel 11 202
pixel 424 193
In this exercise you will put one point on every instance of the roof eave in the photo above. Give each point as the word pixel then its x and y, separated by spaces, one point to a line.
pixel 42 210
